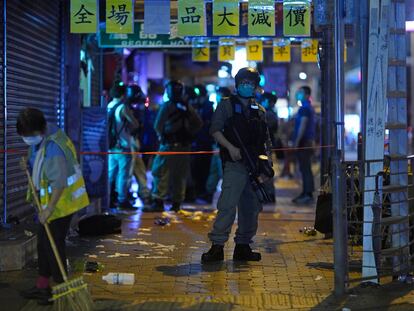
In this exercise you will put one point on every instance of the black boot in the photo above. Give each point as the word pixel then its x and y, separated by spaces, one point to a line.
pixel 37 293
pixel 215 254
pixel 243 252
pixel 156 206
pixel 175 207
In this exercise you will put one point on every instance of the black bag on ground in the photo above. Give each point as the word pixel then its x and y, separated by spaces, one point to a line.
pixel 99 225
pixel 323 218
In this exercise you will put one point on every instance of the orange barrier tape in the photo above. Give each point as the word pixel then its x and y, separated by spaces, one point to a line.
pixel 20 151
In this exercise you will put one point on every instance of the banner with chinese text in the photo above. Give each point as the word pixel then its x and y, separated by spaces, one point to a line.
pixel 157 17
pixel 226 18
pixel 261 21
pixel 310 51
pixel 281 51
pixel 227 49
pixel 201 50
pixel 254 50
pixel 296 18
pixel 83 16
pixel 120 16
pixel 191 18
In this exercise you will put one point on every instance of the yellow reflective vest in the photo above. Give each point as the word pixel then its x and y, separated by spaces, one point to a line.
pixel 74 197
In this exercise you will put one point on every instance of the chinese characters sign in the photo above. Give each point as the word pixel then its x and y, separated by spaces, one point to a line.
pixel 296 18
pixel 227 48
pixel 254 50
pixel 281 51
pixel 261 18
pixel 83 16
pixel 310 51
pixel 191 18
pixel 119 16
pixel 201 50
pixel 226 18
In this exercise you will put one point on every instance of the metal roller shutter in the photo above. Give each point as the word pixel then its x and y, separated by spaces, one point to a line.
pixel 33 78
pixel 1 113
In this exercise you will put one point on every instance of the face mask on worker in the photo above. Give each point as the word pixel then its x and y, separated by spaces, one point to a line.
pixel 32 140
pixel 246 90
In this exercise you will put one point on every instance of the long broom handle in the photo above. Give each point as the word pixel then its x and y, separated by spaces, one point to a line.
pixel 46 225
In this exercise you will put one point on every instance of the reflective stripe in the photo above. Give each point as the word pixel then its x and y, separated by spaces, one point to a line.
pixel 49 189
pixel 42 192
pixel 75 177
pixel 78 193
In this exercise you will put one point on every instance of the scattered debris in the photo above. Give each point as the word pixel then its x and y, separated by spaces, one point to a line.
pixel 318 278
pixel 143 233
pixel 28 233
pixel 116 255
pixel 100 246
pixel 93 266
pixel 93 256
pixel 151 257
pixel 308 231
pixel 201 242
pixel 162 221
pixel 145 229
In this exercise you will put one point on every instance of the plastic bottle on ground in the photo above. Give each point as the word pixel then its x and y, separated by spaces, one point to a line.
pixel 119 278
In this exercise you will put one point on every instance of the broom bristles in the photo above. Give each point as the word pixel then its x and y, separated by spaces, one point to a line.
pixel 72 295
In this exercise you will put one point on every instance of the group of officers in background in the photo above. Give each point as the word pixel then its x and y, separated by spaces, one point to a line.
pixel 182 125
pixel 242 129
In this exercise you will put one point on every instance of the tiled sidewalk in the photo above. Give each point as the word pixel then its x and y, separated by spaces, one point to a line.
pixel 169 275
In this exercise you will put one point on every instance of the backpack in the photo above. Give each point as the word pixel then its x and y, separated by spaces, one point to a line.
pixel 113 134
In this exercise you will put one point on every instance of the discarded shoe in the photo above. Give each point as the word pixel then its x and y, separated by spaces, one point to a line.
pixel 243 252
pixel 215 254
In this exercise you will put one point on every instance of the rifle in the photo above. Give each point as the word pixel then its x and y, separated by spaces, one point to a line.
pixel 251 167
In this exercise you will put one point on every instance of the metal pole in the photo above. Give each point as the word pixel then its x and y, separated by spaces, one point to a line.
pixel 364 24
pixel 339 217
pixel 5 112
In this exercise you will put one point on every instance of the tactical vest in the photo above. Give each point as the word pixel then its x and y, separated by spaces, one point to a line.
pixel 251 126
pixel 177 127
pixel 74 197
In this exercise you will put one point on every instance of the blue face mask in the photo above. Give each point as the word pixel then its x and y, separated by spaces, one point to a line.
pixel 32 140
pixel 246 90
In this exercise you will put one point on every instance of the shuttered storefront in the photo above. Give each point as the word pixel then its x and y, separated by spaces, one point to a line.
pixel 33 79
pixel 1 113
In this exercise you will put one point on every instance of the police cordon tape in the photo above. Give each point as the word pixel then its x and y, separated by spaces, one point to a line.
pixel 23 152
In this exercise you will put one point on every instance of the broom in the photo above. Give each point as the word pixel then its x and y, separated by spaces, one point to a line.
pixel 70 295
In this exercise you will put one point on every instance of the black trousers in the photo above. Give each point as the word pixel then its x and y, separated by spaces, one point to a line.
pixel 46 259
pixel 304 157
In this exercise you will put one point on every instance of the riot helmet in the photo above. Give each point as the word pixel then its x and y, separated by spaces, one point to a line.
pixel 247 81
pixel 175 90
pixel 134 95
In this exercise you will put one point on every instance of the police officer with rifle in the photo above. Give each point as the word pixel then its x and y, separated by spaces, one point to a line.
pixel 239 126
